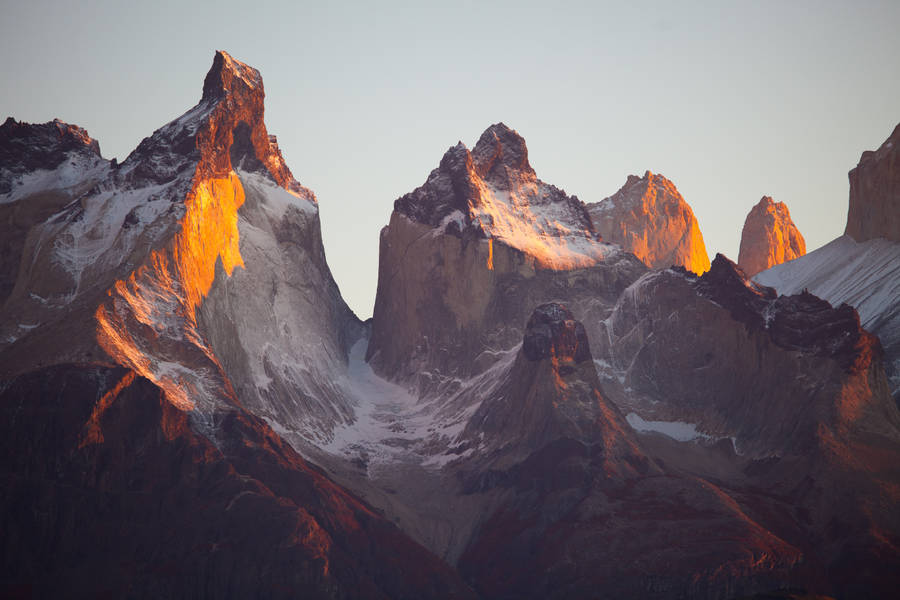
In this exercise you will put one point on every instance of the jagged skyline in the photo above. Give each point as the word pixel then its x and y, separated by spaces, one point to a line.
pixel 730 104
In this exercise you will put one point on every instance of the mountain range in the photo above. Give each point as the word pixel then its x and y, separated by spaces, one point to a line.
pixel 552 399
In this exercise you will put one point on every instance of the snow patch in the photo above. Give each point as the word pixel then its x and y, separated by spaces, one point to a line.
pixel 276 199
pixel 677 430
pixel 537 220
pixel 75 169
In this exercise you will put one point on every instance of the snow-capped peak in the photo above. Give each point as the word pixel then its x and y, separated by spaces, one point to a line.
pixel 500 197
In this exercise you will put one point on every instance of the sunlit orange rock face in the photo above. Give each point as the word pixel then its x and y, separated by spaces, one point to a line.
pixel 875 193
pixel 769 237
pixel 649 218
pixel 163 294
pixel 118 416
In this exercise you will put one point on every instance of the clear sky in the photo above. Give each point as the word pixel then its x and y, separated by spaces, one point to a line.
pixel 729 100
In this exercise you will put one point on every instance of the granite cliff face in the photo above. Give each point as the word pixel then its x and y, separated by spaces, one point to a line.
pixel 190 287
pixel 875 193
pixel 704 350
pixel 769 237
pixel 126 271
pixel 649 218
pixel 862 267
pixel 865 275
pixel 540 411
pixel 792 385
pixel 574 481
pixel 42 168
pixel 467 256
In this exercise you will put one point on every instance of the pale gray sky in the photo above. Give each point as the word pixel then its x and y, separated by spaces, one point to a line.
pixel 729 100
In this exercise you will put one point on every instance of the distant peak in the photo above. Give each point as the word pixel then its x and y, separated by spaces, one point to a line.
pixel 769 237
pixel 500 145
pixel 31 146
pixel 229 75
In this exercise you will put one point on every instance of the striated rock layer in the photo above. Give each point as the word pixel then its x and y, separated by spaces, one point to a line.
pixel 649 218
pixel 769 237
pixel 875 193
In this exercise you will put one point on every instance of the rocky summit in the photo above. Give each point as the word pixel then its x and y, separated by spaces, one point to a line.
pixel 649 218
pixel 769 237
pixel 875 193
pixel 552 399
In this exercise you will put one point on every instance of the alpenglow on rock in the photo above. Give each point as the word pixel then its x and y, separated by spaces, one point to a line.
pixel 649 218
pixel 875 193
pixel 468 255
pixel 769 237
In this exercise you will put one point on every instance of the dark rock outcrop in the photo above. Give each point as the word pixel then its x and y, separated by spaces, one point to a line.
pixel 108 490
pixel 585 511
pixel 796 385
pixel 27 147
pixel 43 167
pixel 875 193
pixel 553 331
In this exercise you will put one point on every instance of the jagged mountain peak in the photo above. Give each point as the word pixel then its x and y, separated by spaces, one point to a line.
pixel 648 181
pixel 769 237
pixel 225 131
pixel 493 193
pixel 551 392
pixel 874 210
pixel 801 321
pixel 32 147
pixel 649 217
pixel 230 76
pixel 500 148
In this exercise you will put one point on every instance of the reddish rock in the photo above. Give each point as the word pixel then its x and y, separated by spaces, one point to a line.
pixel 769 237
pixel 875 193
pixel 124 498
pixel 649 218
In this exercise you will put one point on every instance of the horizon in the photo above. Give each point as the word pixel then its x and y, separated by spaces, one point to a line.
pixel 387 118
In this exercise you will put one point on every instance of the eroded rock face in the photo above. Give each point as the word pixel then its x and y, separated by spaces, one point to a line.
pixel 467 257
pixel 703 350
pixel 793 383
pixel 580 508
pixel 27 148
pixel 553 331
pixel 132 264
pixel 551 392
pixel 865 275
pixel 875 193
pixel 769 237
pixel 190 288
pixel 649 218
pixel 42 168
